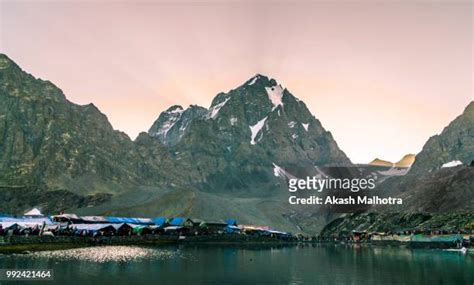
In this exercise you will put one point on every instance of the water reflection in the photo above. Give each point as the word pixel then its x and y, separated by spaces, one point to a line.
pixel 309 264
pixel 107 254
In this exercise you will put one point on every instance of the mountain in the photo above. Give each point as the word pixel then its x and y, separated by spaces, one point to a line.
pixel 441 179
pixel 380 162
pixel 455 143
pixel 230 155
pixel 249 129
pixel 223 161
pixel 430 187
pixel 437 192
pixel 171 125
pixel 406 161
pixel 47 139
pixel 50 144
pixel 232 159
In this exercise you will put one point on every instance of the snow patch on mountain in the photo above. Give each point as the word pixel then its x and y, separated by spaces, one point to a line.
pixel 215 109
pixel 394 171
pixel 275 94
pixel 280 172
pixel 175 115
pixel 178 109
pixel 233 121
pixel 305 126
pixel 184 126
pixel 252 82
pixel 451 164
pixel 255 129
pixel 292 124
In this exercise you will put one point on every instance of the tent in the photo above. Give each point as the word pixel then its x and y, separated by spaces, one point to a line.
pixel 95 228
pixel 66 218
pixel 123 229
pixel 160 221
pixel 144 221
pixel 10 225
pixel 177 221
pixel 122 220
pixel 20 226
pixel 138 229
pixel 172 230
pixel 35 212
pixel 93 219
pixel 26 220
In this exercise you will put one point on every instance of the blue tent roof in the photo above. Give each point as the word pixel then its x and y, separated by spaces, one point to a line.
pixel 159 221
pixel 124 220
pixel 177 221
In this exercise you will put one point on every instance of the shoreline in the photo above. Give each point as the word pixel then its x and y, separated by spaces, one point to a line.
pixel 18 244
pixel 22 244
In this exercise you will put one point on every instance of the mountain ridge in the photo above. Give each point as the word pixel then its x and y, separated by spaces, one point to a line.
pixel 201 162
pixel 50 145
pixel 405 162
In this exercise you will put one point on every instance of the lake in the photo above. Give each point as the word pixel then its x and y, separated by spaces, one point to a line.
pixel 189 264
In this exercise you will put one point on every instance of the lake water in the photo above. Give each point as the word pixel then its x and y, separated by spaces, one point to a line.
pixel 310 264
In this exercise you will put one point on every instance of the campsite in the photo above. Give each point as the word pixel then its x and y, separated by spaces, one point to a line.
pixel 35 231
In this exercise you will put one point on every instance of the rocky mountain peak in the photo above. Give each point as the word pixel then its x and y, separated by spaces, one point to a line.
pixel 260 80
pixel 175 109
pixel 259 113
pixel 16 83
pixel 48 140
pixel 172 124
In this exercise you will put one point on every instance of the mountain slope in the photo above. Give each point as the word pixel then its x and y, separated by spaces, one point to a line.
pixel 380 162
pixel 210 163
pixel 434 197
pixel 229 153
pixel 406 161
pixel 47 140
pixel 247 130
pixel 171 125
pixel 428 187
pixel 456 142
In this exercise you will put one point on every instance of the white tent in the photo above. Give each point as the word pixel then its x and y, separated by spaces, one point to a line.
pixel 34 212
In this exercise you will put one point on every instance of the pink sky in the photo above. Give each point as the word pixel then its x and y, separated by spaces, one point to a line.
pixel 382 77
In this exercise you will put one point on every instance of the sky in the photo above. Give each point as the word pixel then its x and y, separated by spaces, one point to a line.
pixel 382 76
